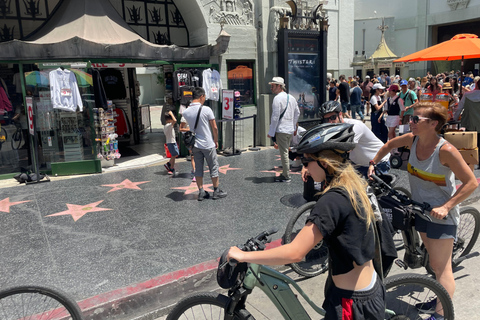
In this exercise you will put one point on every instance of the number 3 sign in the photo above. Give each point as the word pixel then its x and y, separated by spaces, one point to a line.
pixel 29 101
pixel 228 104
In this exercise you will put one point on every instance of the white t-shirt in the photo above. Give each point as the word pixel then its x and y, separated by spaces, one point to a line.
pixel 169 133
pixel 367 144
pixel 203 133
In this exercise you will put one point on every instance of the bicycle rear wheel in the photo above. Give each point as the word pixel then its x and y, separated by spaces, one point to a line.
pixel 316 261
pixel 36 302
pixel 407 293
pixel 207 305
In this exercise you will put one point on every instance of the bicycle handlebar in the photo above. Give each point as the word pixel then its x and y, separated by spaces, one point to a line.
pixel 405 200
pixel 257 243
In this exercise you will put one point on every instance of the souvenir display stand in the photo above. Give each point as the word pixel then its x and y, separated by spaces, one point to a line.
pixel 106 138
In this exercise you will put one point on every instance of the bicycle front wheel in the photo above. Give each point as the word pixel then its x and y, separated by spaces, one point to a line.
pixel 35 302
pixel 416 296
pixel 467 233
pixel 205 306
pixel 316 261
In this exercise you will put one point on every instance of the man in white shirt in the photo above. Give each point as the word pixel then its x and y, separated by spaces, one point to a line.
pixel 205 147
pixel 283 123
pixel 367 143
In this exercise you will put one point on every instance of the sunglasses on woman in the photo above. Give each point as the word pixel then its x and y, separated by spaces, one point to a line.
pixel 416 119
pixel 331 118
pixel 306 161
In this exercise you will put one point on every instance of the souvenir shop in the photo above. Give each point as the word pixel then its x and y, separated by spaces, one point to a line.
pixel 83 112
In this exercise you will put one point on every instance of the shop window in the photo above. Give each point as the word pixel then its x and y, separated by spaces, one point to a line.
pixel 240 78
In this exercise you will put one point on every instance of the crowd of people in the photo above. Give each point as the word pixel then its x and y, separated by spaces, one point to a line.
pixel 390 100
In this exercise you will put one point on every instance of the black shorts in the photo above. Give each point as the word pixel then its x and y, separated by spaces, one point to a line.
pixel 359 305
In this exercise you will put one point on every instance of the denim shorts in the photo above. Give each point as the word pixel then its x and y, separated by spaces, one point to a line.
pixel 345 107
pixel 435 230
pixel 173 148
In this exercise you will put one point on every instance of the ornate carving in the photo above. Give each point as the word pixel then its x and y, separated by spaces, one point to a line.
pixel 134 14
pixel 177 17
pixel 155 15
pixel 457 4
pixel 6 34
pixel 5 7
pixel 161 38
pixel 232 12
pixel 32 8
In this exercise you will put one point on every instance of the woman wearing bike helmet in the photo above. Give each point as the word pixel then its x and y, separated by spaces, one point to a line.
pixel 433 165
pixel 343 218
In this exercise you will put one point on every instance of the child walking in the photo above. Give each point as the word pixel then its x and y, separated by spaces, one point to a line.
pixel 171 142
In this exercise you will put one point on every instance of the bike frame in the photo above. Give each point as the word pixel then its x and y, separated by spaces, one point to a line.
pixel 277 288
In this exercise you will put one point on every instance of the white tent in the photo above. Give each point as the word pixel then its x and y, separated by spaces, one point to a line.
pixel 94 29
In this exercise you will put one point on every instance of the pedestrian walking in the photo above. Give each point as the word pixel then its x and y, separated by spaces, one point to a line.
pixel 283 123
pixel 205 147
pixel 172 146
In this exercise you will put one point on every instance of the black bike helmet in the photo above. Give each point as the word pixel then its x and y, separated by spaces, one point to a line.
pixel 228 275
pixel 330 106
pixel 328 136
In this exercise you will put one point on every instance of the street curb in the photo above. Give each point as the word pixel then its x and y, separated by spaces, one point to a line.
pixel 154 298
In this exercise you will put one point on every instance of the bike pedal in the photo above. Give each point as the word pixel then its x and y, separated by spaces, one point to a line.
pixel 401 264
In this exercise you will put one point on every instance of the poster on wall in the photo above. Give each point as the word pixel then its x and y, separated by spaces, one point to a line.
pixel 302 82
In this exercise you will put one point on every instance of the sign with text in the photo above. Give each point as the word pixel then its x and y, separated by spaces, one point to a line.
pixel 29 101
pixel 368 66
pixel 227 104
pixel 303 81
pixel 384 64
pixel 399 64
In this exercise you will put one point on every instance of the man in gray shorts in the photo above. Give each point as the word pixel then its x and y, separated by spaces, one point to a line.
pixel 205 146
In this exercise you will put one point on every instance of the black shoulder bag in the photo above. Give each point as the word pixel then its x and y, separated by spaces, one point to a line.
pixel 189 136
pixel 274 139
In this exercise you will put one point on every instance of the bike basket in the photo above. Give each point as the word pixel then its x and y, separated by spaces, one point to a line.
pixel 398 214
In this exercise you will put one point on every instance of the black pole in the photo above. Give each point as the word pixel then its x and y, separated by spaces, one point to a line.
pixel 254 130
pixel 322 90
pixel 461 79
pixel 233 137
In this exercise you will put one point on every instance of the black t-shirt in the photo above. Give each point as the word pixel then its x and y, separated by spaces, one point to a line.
pixel 344 232
pixel 344 91
pixel 332 93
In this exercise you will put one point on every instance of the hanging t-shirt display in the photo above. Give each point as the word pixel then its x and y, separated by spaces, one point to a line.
pixel 181 78
pixel 197 78
pixel 113 84
pixel 64 90
pixel 186 95
pixel 212 84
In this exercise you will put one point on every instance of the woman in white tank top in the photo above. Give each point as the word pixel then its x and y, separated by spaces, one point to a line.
pixel 432 167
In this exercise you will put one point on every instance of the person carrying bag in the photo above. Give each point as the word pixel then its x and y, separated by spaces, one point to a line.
pixel 189 136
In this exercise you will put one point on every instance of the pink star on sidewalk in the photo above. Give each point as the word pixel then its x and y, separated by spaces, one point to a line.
pixel 77 211
pixel 5 204
pixel 125 184
pixel 192 188
pixel 224 169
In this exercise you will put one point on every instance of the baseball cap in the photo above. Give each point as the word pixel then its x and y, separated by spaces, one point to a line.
pixel 411 79
pixel 277 80
pixel 378 86
pixel 404 83
pixel 394 87
pixel 367 77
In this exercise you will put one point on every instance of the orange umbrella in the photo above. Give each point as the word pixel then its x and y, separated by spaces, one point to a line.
pixel 240 72
pixel 461 46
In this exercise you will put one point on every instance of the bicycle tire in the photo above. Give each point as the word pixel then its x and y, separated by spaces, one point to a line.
pixel 404 291
pixel 20 302
pixel 316 261
pixel 201 305
pixel 467 235
pixel 3 136
pixel 16 140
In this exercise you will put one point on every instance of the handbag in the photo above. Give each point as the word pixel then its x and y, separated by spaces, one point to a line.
pixel 399 215
pixel 189 136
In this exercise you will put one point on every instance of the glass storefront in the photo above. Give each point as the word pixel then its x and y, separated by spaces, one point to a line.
pixel 62 101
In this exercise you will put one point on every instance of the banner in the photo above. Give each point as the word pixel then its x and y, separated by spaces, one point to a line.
pixel 227 104
pixel 302 81
pixel 29 101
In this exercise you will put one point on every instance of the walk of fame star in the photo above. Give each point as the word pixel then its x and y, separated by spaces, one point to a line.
pixel 279 172
pixel 192 188
pixel 5 204
pixel 225 168
pixel 125 184
pixel 77 211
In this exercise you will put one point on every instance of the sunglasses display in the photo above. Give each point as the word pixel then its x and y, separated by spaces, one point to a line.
pixel 416 119
pixel 331 118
